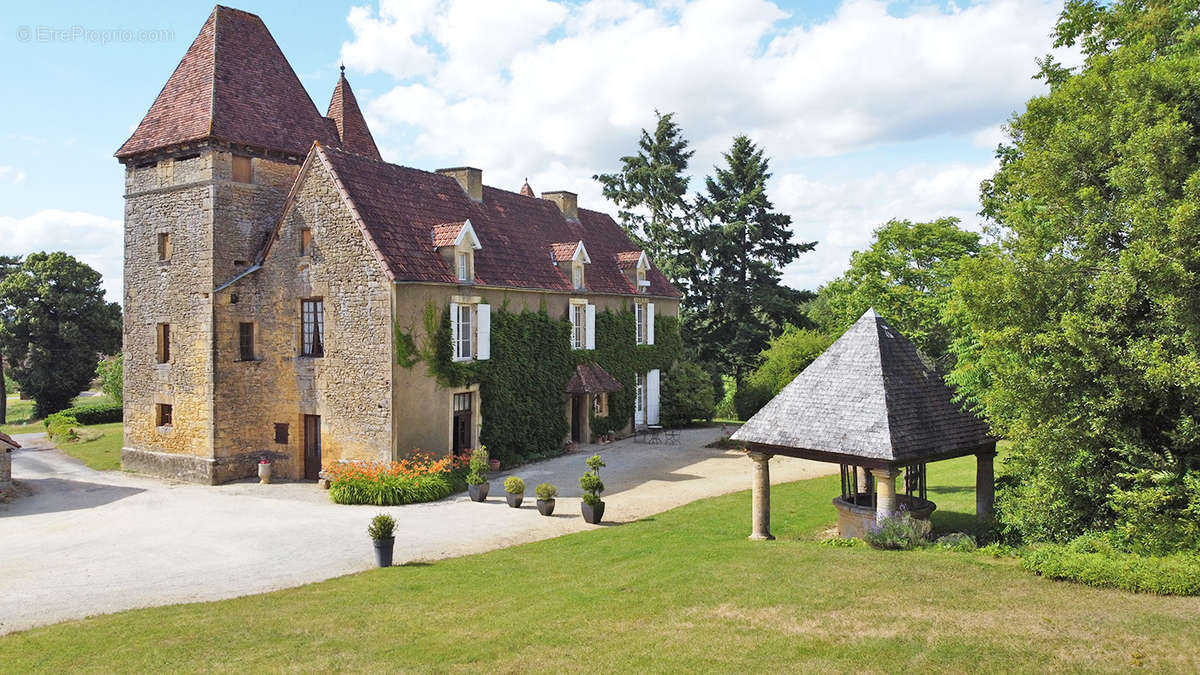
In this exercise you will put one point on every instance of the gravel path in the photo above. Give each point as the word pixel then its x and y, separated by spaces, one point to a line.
pixel 78 542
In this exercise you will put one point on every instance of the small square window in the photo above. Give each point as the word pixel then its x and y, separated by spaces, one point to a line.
pixel 242 172
pixel 281 433
pixel 246 341
pixel 163 343
pixel 163 414
pixel 164 246
pixel 306 241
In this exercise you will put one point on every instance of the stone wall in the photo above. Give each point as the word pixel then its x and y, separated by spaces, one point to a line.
pixel 174 197
pixel 349 387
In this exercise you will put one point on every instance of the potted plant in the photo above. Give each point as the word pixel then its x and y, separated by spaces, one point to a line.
pixel 381 530
pixel 545 498
pixel 477 484
pixel 589 482
pixel 494 464
pixel 514 491
pixel 264 471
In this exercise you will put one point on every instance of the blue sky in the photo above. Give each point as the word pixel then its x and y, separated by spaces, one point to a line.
pixel 868 109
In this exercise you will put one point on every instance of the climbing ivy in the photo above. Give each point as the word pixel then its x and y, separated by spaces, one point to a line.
pixel 523 385
pixel 406 348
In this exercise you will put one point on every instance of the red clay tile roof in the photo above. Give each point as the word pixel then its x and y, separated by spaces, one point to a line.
pixel 233 85
pixel 590 378
pixel 446 234
pixel 562 251
pixel 399 207
pixel 351 126
pixel 628 259
pixel 526 190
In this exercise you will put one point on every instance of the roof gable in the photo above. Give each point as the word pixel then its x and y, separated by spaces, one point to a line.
pixel 235 85
pixel 455 234
pixel 872 395
pixel 569 251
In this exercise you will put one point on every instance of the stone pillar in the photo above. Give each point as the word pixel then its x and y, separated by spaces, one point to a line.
pixel 985 483
pixel 864 482
pixel 885 492
pixel 760 514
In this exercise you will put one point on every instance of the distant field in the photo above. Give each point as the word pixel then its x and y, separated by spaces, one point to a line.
pixel 20 419
pixel 683 591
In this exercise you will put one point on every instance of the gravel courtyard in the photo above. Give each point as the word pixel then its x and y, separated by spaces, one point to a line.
pixel 79 542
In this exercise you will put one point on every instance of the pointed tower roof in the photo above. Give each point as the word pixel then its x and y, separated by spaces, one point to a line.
pixel 351 126
pixel 871 399
pixel 233 85
pixel 526 190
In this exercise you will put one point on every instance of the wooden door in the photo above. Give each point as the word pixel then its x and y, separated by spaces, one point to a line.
pixel 577 408
pixel 312 447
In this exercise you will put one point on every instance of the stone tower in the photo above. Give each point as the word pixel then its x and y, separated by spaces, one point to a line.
pixel 206 174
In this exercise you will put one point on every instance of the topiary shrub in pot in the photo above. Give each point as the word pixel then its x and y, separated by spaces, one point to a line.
pixel 382 529
pixel 590 483
pixel 514 491
pixel 477 483
pixel 545 498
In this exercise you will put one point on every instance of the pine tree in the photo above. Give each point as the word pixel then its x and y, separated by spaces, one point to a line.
pixel 8 265
pixel 650 192
pixel 737 301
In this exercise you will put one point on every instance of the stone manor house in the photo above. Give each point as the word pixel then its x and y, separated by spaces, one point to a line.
pixel 272 259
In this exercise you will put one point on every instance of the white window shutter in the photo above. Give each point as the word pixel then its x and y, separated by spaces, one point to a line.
pixel 652 397
pixel 650 324
pixel 453 329
pixel 483 335
pixel 590 318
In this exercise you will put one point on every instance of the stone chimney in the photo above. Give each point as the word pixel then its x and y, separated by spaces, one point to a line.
pixel 568 202
pixel 471 180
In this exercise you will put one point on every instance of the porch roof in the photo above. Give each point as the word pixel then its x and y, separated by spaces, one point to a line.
pixel 590 378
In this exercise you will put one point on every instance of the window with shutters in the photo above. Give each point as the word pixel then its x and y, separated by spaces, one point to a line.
pixel 312 327
pixel 579 326
pixel 639 399
pixel 639 319
pixel 163 413
pixel 464 266
pixel 163 343
pixel 245 341
pixel 242 169
pixel 464 335
pixel 306 241
pixel 164 246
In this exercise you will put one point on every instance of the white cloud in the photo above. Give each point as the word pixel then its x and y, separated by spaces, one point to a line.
pixel 558 91
pixel 841 216
pixel 11 174
pixel 96 240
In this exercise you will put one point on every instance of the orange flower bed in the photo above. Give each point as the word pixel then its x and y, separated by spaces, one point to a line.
pixel 418 464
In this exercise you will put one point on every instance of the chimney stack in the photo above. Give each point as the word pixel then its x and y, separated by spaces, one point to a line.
pixel 568 202
pixel 471 180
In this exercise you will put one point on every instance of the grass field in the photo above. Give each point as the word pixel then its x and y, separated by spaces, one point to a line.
pixel 99 446
pixel 681 591
pixel 19 419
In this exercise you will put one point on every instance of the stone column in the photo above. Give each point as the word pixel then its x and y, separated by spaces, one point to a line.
pixel 985 483
pixel 864 483
pixel 885 492
pixel 760 514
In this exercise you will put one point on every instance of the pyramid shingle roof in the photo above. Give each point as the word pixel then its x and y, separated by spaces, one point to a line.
pixel 234 85
pixel 871 395
pixel 351 125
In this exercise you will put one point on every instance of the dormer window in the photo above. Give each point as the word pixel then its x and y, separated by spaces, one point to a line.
pixel 571 258
pixel 457 243
pixel 635 265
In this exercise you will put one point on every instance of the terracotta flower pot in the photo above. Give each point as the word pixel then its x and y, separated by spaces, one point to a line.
pixel 494 464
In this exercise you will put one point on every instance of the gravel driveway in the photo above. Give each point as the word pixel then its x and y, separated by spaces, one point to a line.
pixel 79 542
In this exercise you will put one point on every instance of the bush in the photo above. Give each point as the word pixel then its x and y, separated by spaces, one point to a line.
pixel 382 527
pixel 478 468
pixel 514 485
pixel 546 491
pixel 897 533
pixel 110 370
pixel 1158 513
pixel 749 398
pixel 590 481
pixel 61 427
pixel 841 542
pixel 1092 563
pixel 417 479
pixel 783 359
pixel 687 394
pixel 104 413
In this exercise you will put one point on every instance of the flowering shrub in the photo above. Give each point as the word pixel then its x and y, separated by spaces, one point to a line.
pixel 418 478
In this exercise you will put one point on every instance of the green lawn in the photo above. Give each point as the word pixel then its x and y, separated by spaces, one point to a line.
pixel 681 591
pixel 19 419
pixel 99 447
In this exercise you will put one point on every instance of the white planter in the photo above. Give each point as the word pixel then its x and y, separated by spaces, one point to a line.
pixel 264 472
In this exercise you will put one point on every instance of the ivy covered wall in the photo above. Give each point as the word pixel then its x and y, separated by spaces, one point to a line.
pixel 523 385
